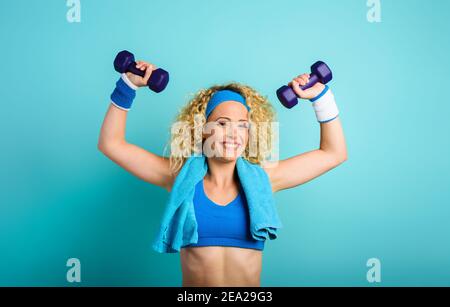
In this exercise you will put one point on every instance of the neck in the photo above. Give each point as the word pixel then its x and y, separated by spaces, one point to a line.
pixel 221 173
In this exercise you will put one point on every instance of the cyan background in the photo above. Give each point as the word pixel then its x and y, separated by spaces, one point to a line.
pixel 62 198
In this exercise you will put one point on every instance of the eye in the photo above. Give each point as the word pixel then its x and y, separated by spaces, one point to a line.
pixel 244 125
pixel 221 123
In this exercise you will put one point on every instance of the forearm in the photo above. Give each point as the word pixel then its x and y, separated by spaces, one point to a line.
pixel 332 139
pixel 113 127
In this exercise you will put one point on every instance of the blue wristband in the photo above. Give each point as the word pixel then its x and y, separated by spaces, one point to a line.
pixel 324 106
pixel 321 94
pixel 123 95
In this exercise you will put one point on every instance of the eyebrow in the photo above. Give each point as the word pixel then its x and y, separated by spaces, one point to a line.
pixel 230 118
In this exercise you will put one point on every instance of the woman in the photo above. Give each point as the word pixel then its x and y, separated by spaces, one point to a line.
pixel 220 193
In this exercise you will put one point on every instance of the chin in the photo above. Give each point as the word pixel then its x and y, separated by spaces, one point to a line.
pixel 229 156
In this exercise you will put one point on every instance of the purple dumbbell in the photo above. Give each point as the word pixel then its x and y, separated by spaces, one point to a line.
pixel 124 62
pixel 320 72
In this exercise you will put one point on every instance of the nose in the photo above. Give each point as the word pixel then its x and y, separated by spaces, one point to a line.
pixel 232 132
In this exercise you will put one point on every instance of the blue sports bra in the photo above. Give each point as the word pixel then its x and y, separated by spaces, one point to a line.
pixel 223 225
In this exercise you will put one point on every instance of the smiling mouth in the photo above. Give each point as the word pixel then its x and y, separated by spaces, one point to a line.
pixel 231 144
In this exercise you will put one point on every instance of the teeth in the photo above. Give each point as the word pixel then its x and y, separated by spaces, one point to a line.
pixel 232 145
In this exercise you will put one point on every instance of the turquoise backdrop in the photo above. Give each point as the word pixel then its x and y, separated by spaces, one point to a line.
pixel 62 198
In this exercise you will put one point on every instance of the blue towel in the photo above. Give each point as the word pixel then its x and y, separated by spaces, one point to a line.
pixel 179 226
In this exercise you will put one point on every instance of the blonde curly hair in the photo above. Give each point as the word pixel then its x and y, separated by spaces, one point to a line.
pixel 261 111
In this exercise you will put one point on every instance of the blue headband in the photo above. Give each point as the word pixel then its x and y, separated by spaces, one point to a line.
pixel 221 96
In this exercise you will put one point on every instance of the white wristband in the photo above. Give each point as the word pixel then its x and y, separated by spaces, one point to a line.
pixel 128 82
pixel 325 106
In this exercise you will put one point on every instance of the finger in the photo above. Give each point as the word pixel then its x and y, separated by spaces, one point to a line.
pixel 305 78
pixel 138 64
pixel 296 88
pixel 148 72
pixel 301 81
pixel 148 66
pixel 141 65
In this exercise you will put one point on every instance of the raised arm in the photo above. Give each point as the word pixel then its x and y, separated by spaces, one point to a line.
pixel 138 161
pixel 332 151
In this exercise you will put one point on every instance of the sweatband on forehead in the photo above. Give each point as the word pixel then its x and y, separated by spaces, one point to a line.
pixel 221 96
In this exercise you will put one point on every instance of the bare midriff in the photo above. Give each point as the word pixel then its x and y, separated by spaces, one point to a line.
pixel 220 266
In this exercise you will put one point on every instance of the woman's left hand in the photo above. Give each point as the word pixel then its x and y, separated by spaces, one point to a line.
pixel 309 93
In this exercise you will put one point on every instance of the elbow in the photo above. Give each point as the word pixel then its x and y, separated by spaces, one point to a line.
pixel 103 146
pixel 338 158
pixel 341 158
pixel 107 147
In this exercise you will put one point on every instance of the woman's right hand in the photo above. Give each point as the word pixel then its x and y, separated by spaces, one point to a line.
pixel 138 80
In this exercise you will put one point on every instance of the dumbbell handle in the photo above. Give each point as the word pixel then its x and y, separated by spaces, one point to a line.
pixel 313 79
pixel 135 71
